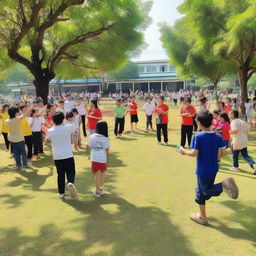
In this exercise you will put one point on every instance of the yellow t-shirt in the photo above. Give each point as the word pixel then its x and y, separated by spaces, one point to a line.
pixel 4 128
pixel 26 127
pixel 15 130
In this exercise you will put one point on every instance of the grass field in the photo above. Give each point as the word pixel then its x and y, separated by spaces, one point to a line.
pixel 151 195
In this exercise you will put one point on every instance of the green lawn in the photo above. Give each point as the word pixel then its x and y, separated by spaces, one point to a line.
pixel 151 195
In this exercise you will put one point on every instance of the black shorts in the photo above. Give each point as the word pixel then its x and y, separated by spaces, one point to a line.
pixel 134 119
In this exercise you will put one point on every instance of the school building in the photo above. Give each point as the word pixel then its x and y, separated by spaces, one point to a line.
pixel 155 75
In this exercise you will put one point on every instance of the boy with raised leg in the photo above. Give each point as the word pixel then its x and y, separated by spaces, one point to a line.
pixel 208 147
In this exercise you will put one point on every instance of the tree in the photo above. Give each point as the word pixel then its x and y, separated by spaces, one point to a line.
pixel 17 74
pixel 191 57
pixel 71 38
pixel 130 71
pixel 231 27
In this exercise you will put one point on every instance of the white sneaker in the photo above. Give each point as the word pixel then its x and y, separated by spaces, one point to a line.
pixel 61 196
pixel 72 190
pixel 97 195
pixel 234 169
pixel 102 191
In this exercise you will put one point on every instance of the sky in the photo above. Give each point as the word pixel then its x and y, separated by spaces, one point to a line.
pixel 162 11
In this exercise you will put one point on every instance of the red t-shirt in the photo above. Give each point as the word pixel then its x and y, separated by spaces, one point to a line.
pixel 162 109
pixel 227 108
pixel 187 120
pixel 225 132
pixel 91 121
pixel 133 108
pixel 215 123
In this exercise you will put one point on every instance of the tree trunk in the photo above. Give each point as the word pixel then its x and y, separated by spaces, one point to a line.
pixel 243 79
pixel 42 89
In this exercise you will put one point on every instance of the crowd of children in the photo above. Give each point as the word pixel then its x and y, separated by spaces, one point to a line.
pixel 26 127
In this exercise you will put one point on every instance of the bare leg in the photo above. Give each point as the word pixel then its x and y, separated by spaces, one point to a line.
pixel 202 211
pixel 102 179
pixel 97 181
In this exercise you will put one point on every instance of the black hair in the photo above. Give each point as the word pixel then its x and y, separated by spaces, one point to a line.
pixel 49 106
pixel 229 99
pixel 203 100
pixel 58 118
pixel 5 106
pixel 161 98
pixel 74 110
pixel 248 100
pixel 235 113
pixel 22 106
pixel 225 117
pixel 235 100
pixel 222 103
pixel 205 117
pixel 95 103
pixel 187 99
pixel 61 102
pixel 69 115
pixel 12 111
pixel 102 128
pixel 32 112
pixel 118 100
pixel 216 112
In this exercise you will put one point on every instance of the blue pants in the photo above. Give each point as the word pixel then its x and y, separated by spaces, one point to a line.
pixel 245 155
pixel 19 153
pixel 206 189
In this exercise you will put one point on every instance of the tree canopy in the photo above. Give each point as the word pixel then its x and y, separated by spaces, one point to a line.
pixel 70 38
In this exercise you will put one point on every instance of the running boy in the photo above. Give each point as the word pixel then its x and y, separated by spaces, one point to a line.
pixel 208 147
pixel 60 137
pixel 99 145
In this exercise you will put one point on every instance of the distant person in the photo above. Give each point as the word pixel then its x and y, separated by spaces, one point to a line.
pixel 4 129
pixel 93 116
pixel 161 111
pixel 99 145
pixel 69 103
pixel 239 142
pixel 208 147
pixel 120 110
pixel 60 138
pixel 149 107
pixel 133 109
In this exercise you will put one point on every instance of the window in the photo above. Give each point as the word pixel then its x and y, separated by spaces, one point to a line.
pixel 142 69
pixel 172 68
pixel 151 69
pixel 163 68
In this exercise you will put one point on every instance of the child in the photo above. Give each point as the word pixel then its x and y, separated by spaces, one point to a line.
pixel 208 147
pixel 225 123
pixel 16 137
pixel 99 145
pixel 93 116
pixel 133 107
pixel 81 108
pixel 119 118
pixel 216 119
pixel 77 120
pixel 59 135
pixel 4 129
pixel 228 106
pixel 74 135
pixel 149 107
pixel 35 122
pixel 239 142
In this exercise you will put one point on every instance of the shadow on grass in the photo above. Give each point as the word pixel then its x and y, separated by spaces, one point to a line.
pixel 244 215
pixel 32 180
pixel 110 227
pixel 14 201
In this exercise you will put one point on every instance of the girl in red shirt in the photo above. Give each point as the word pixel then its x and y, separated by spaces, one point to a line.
pixel 225 131
pixel 93 116
pixel 187 113
pixel 133 109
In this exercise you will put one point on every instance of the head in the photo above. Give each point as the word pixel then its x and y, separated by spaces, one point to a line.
pixel 94 104
pixel 224 117
pixel 228 101
pixel 69 116
pixel 187 101
pixel 234 100
pixel 102 128
pixel 221 105
pixel 58 118
pixel 23 108
pixel 33 112
pixel 133 98
pixel 5 108
pixel 61 104
pixel 39 102
pixel 149 100
pixel 204 119
pixel 13 112
pixel 74 111
pixel 118 102
pixel 69 97
pixel 50 109
pixel 203 101
pixel 234 114
pixel 160 99
pixel 248 100
pixel 216 114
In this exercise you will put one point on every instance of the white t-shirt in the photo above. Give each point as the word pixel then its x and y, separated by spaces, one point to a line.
pixel 98 144
pixel 77 121
pixel 81 109
pixel 69 105
pixel 60 137
pixel 240 140
pixel 149 107
pixel 62 110
pixel 248 107
pixel 37 124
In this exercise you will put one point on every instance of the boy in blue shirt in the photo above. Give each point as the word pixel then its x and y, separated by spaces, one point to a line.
pixel 208 147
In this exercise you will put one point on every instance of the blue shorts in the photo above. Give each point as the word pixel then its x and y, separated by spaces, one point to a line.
pixel 206 189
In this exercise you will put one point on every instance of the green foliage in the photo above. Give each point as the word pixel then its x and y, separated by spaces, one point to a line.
pixel 130 71
pixel 87 38
pixel 17 74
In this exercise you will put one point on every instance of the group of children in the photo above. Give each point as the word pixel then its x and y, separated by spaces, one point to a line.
pixel 60 125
